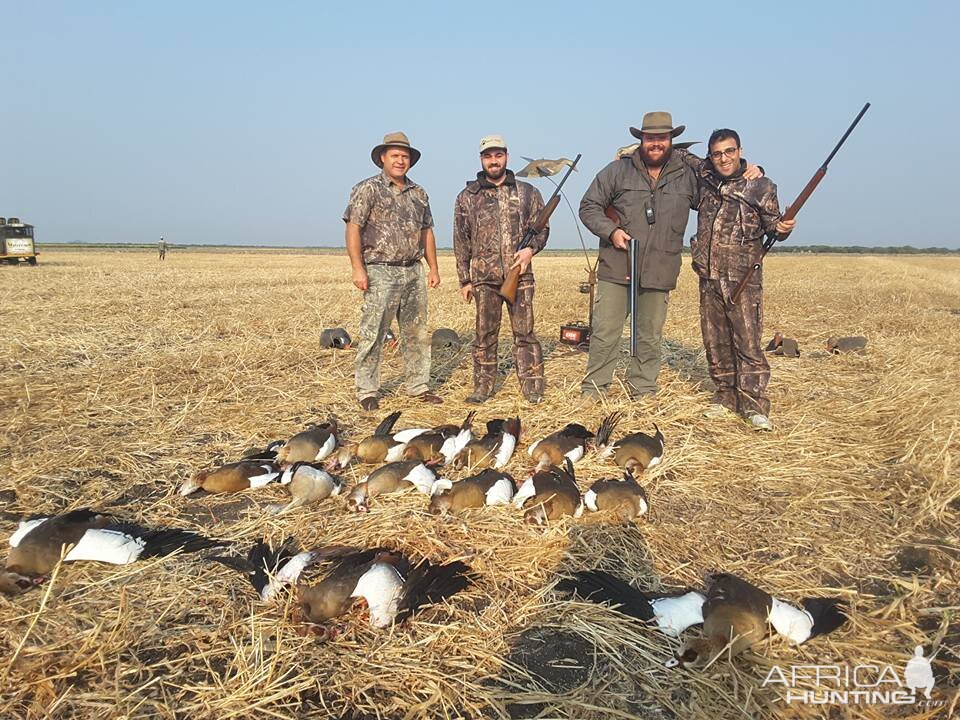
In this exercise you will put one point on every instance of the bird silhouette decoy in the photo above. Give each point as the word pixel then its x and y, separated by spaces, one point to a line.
pixel 543 167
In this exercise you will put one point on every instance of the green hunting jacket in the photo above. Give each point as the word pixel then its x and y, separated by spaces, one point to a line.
pixel 626 186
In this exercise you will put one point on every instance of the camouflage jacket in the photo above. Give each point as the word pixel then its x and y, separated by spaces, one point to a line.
pixel 489 221
pixel 625 186
pixel 734 215
pixel 390 218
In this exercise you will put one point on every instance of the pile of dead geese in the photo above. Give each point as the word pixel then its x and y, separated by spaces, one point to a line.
pixel 734 614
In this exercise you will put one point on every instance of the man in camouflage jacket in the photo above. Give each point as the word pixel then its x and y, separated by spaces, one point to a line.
pixel 491 216
pixel 389 229
pixel 734 215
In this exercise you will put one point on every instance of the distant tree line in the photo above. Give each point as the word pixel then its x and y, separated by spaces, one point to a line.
pixel 861 249
pixel 326 249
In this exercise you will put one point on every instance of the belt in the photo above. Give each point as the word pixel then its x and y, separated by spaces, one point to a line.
pixel 395 263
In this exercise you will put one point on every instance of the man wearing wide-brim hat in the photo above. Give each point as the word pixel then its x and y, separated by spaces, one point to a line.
pixel 650 194
pixel 389 229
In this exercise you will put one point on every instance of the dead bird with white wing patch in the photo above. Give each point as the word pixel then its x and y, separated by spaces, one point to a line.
pixel 549 495
pixel 625 498
pixel 489 487
pixel 311 445
pixel 392 587
pixel 392 477
pixel 37 545
pixel 494 449
pixel 307 483
pixel 635 452
pixel 569 443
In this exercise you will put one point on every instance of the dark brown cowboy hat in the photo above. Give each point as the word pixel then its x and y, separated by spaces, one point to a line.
pixel 656 123
pixel 397 139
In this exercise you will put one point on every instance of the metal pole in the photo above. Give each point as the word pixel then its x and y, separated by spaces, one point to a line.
pixel 633 298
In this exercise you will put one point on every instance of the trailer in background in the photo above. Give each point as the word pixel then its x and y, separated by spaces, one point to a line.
pixel 16 242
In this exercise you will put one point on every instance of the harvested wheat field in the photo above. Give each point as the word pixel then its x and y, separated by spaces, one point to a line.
pixel 123 376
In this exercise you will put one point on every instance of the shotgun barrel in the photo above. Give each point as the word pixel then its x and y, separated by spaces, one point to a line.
pixel 794 208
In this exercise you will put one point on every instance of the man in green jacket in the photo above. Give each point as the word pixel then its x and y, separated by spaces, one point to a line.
pixel 650 193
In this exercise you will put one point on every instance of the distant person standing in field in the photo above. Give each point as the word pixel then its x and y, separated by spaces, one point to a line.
pixel 389 228
pixel 734 215
pixel 162 245
pixel 490 219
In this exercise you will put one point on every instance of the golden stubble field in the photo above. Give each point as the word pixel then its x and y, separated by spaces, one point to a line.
pixel 121 376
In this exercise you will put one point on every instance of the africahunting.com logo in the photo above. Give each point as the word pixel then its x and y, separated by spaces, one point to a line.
pixel 865 684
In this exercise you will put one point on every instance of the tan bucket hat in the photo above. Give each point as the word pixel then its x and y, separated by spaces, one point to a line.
pixel 397 139
pixel 656 123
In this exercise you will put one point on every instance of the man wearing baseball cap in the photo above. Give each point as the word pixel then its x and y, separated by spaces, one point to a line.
pixel 491 216
pixel 389 228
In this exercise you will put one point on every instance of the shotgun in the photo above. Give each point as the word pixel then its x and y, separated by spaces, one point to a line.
pixel 508 291
pixel 794 208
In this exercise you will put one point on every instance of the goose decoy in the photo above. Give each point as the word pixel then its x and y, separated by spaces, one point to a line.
pixel 391 478
pixel 233 477
pixel 568 443
pixel 445 339
pixel 635 452
pixel 308 483
pixel 441 444
pixel 494 449
pixel 549 495
pixel 671 612
pixel 624 497
pixel 837 345
pixel 736 615
pixel 312 445
pixel 335 339
pixel 36 546
pixel 490 487
pixel 384 445
pixel 775 342
pixel 543 167
pixel 392 589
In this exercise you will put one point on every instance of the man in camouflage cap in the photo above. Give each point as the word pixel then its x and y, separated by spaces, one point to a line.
pixel 734 215
pixel 491 216
pixel 389 230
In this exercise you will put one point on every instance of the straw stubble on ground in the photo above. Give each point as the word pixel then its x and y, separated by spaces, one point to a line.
pixel 123 376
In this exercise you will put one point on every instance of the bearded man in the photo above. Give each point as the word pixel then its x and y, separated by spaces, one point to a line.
pixel 651 193
pixel 491 216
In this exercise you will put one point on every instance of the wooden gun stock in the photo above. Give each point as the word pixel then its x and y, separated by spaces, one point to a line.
pixel 508 290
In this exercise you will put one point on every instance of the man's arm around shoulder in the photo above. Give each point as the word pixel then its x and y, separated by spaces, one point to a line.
pixel 599 196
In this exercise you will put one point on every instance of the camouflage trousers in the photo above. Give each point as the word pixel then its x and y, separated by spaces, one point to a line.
pixel 399 293
pixel 731 336
pixel 527 353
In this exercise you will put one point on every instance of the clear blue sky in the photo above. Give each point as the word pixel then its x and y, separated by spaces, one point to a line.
pixel 247 123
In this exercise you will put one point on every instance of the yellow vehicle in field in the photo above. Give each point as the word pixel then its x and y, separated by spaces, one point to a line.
pixel 16 242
